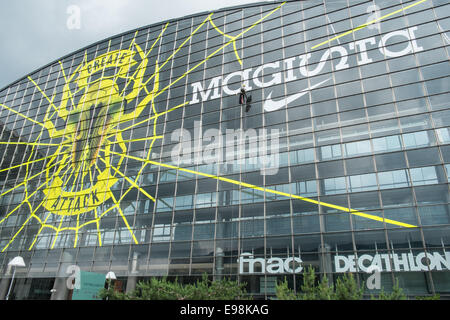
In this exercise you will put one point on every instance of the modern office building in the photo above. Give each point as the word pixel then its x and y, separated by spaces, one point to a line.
pixel 135 155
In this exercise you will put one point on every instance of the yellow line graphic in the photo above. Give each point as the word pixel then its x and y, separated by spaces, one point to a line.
pixel 146 55
pixel 289 195
pixel 69 180
pixel 25 163
pixel 124 219
pixel 216 51
pixel 26 180
pixel 45 96
pixel 31 143
pixel 362 26
pixel 22 115
pixel 233 39
pixel 128 179
pixel 117 204
pixel 146 120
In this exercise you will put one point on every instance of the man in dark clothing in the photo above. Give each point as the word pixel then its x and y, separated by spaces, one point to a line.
pixel 244 99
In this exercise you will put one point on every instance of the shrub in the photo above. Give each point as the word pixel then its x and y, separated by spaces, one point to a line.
pixel 346 289
pixel 161 289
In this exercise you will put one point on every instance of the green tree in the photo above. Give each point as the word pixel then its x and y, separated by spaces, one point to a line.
pixel 111 294
pixel 161 289
pixel 396 294
pixel 325 291
pixel 283 292
pixel 227 290
pixel 347 288
pixel 308 288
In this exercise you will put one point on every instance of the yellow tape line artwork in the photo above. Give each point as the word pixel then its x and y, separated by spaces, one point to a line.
pixel 233 39
pixel 364 25
pixel 83 166
pixel 73 182
pixel 267 190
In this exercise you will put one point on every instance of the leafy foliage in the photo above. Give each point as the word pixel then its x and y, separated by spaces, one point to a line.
pixel 309 290
pixel 433 297
pixel 111 294
pixel 396 294
pixel 284 293
pixel 346 289
pixel 161 289
pixel 325 290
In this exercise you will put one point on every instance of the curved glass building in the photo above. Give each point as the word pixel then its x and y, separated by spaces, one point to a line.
pixel 136 154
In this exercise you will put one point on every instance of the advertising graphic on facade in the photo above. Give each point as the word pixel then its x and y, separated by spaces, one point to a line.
pixel 136 154
pixel 404 262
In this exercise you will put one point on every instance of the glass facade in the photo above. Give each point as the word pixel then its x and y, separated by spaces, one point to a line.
pixel 114 158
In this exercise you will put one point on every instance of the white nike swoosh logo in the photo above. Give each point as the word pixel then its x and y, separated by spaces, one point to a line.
pixel 270 105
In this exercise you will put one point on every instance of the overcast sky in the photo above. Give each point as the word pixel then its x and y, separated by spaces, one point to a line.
pixel 34 33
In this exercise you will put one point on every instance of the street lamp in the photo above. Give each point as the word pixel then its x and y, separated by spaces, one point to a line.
pixel 15 262
pixel 110 276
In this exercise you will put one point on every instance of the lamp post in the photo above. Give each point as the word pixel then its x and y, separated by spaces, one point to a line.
pixel 15 262
pixel 110 276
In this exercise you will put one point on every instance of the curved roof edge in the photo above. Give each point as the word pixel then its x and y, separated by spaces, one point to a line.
pixel 242 6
